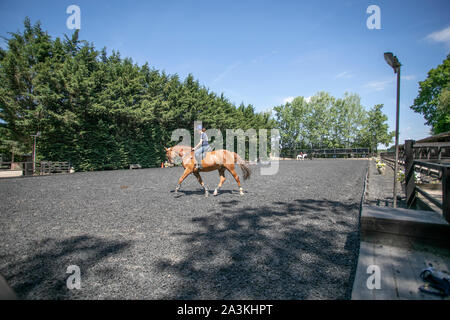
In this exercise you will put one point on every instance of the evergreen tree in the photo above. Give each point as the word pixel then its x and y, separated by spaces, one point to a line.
pixel 99 111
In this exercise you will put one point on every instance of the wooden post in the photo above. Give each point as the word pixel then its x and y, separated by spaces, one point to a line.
pixel 409 172
pixel 446 193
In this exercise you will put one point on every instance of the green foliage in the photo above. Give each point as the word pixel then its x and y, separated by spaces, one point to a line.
pixel 443 111
pixel 375 129
pixel 433 100
pixel 327 122
pixel 99 111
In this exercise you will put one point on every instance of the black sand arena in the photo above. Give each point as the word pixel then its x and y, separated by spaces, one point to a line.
pixel 294 235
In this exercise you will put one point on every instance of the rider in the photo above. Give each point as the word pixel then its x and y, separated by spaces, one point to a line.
pixel 202 147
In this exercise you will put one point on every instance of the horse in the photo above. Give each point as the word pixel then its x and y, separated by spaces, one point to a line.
pixel 220 160
pixel 302 156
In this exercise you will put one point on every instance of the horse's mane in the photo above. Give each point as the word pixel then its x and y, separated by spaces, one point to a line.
pixel 181 147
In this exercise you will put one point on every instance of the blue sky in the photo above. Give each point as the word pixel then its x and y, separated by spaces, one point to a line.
pixel 265 52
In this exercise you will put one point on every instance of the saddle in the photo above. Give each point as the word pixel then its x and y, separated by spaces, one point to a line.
pixel 197 164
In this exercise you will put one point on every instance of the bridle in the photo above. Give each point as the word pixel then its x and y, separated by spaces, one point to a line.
pixel 177 155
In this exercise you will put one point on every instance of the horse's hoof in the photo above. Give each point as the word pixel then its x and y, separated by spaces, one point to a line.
pixel 215 193
pixel 241 193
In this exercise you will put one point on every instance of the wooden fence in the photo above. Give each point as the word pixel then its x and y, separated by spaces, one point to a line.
pixel 41 168
pixel 328 153
pixel 429 158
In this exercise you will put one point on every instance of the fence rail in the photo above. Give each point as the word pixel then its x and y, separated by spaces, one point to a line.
pixel 438 168
pixel 351 152
pixel 40 168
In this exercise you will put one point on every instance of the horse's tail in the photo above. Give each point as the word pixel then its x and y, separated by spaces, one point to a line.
pixel 244 166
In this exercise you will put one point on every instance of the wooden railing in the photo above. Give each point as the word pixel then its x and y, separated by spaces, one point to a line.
pixel 49 167
pixel 351 152
pixel 438 168
pixel 41 168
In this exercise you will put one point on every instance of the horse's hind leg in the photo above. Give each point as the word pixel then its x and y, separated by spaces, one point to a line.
pixel 236 177
pixel 197 175
pixel 222 180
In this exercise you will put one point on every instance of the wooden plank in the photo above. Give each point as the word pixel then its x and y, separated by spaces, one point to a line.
pixel 432 144
pixel 432 165
pixel 389 286
pixel 429 197
pixel 446 194
pixel 365 259
pixel 407 279
pixel 409 172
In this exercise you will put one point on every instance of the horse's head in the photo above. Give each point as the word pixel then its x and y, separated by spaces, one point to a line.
pixel 170 154
pixel 178 151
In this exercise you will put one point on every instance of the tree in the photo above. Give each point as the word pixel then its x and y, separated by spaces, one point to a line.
pixel 9 145
pixel 347 118
pixel 375 129
pixel 99 111
pixel 323 122
pixel 20 67
pixel 443 110
pixel 292 120
pixel 429 102
pixel 320 120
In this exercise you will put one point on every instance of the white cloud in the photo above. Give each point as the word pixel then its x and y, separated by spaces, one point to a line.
pixel 344 75
pixel 288 99
pixel 409 77
pixel 381 85
pixel 440 36
pixel 260 59
pixel 378 85
pixel 229 69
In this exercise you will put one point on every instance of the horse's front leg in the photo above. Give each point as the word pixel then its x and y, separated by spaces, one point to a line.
pixel 183 176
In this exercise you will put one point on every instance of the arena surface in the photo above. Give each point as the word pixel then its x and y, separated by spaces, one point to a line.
pixel 293 235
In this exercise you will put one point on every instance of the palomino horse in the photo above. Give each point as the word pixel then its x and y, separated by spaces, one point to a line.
pixel 215 160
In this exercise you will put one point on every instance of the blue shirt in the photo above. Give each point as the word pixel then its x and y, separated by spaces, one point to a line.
pixel 204 138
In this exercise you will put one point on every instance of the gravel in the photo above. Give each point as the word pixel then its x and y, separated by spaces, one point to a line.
pixel 293 235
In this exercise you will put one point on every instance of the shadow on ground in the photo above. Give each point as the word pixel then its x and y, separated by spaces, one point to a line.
pixel 304 249
pixel 40 271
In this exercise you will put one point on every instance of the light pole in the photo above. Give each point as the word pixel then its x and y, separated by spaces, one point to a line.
pixel 395 64
pixel 38 134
